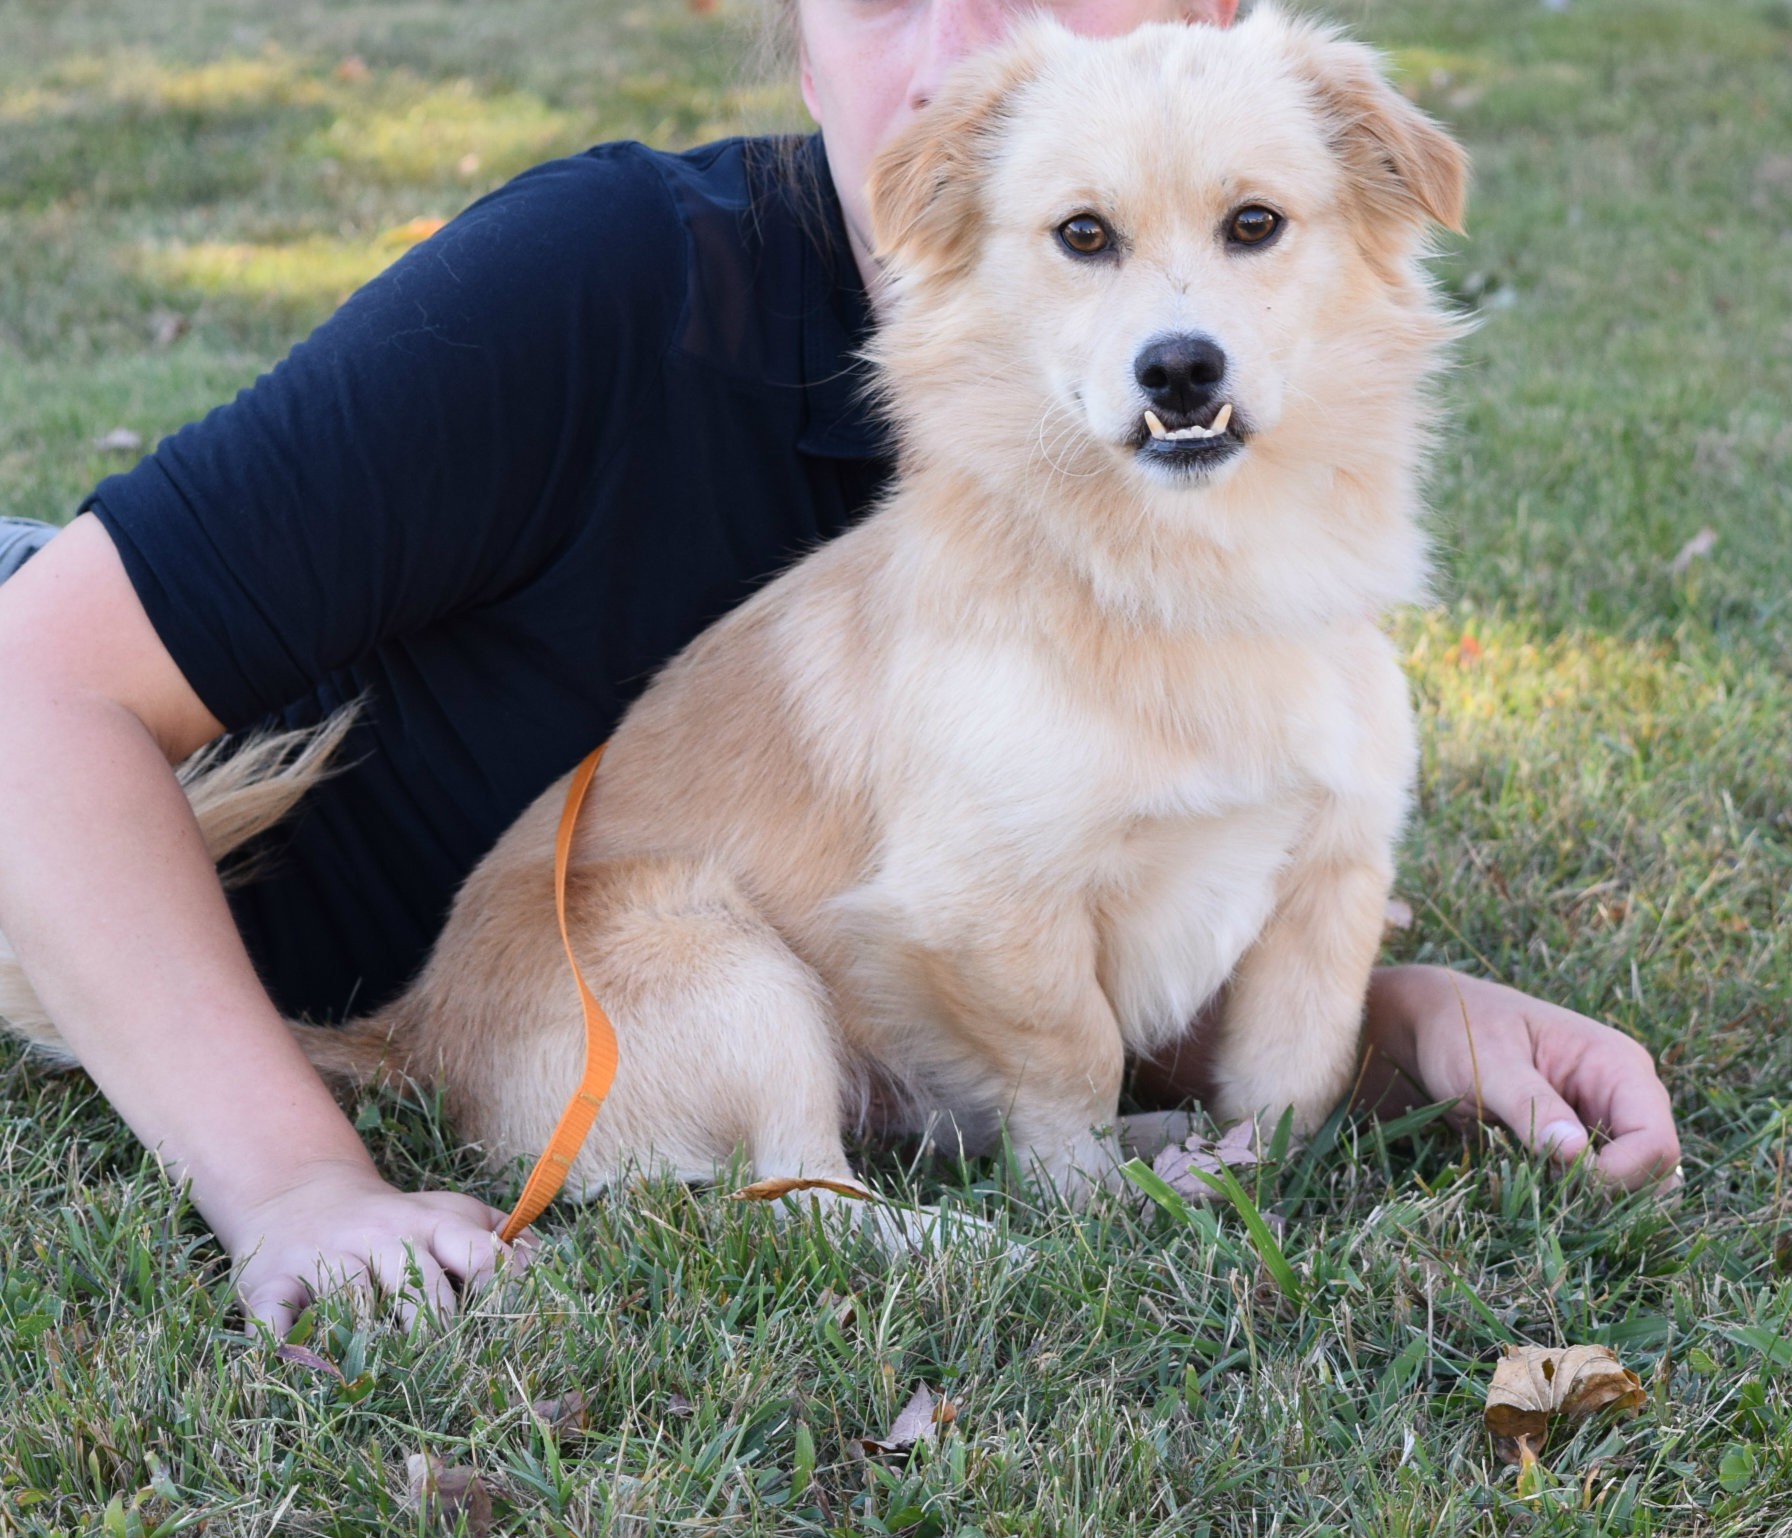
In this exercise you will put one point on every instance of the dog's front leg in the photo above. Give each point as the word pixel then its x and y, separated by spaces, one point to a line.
pixel 1051 1061
pixel 1293 1017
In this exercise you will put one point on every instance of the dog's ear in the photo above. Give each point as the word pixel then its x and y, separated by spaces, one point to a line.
pixel 925 185
pixel 1403 166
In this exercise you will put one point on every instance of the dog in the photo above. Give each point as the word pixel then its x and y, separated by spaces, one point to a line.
pixel 1090 722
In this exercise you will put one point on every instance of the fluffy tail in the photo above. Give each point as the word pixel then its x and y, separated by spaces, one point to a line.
pixel 236 792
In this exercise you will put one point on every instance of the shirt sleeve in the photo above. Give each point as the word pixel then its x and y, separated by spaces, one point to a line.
pixel 423 453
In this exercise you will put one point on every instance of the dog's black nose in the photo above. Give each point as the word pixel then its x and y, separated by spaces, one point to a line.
pixel 1178 373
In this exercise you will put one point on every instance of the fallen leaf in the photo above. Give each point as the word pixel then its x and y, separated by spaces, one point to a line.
pixel 352 69
pixel 1235 1150
pixel 785 1185
pixel 121 440
pixel 919 1421
pixel 304 1356
pixel 446 1495
pixel 166 327
pixel 1397 915
pixel 845 1309
pixel 412 231
pixel 561 1414
pixel 1702 543
pixel 680 1407
pixel 1532 1384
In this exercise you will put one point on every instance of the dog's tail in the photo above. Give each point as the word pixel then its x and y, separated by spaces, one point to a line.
pixel 240 790
pixel 236 791
pixel 376 1049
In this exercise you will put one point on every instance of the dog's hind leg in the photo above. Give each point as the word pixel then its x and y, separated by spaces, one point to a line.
pixel 725 1038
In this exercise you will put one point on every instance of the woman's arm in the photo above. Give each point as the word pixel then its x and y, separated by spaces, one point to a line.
pixel 111 905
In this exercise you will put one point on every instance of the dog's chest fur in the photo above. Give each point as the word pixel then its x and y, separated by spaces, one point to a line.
pixel 1047 821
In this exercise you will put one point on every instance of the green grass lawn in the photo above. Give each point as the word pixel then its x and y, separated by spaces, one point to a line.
pixel 1604 818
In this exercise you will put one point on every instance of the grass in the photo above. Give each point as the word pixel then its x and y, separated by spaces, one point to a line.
pixel 184 189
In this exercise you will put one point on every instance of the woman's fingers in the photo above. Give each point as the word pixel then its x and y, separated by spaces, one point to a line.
pixel 412 1281
pixel 1644 1147
pixel 1523 1099
pixel 276 1301
pixel 1612 1082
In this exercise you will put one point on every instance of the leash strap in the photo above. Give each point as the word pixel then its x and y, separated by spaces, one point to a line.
pixel 550 1170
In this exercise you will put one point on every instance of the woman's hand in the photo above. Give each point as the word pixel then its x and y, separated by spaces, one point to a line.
pixel 340 1227
pixel 1545 1072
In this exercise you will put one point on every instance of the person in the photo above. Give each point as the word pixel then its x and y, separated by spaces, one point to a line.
pixel 488 497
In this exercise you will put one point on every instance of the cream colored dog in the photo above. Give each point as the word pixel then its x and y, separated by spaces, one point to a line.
pixel 1090 719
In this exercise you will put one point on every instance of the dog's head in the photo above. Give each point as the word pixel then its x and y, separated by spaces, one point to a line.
pixel 1162 256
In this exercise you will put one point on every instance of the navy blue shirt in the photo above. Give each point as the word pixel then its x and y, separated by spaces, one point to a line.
pixel 498 489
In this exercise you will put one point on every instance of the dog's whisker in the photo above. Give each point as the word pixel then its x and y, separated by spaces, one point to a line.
pixel 1048 450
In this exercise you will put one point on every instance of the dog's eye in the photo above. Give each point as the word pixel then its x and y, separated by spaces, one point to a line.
pixel 1085 235
pixel 1253 226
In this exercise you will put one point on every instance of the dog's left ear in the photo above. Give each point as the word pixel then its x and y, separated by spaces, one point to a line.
pixel 924 185
pixel 1405 168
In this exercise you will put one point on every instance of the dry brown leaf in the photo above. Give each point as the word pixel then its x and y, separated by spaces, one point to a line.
pixel 784 1185
pixel 445 1495
pixel 121 440
pixel 1702 543
pixel 304 1356
pixel 565 1412
pixel 680 1407
pixel 1533 1384
pixel 919 1421
pixel 1235 1150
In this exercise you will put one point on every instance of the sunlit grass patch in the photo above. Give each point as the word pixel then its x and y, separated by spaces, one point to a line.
pixel 312 273
pixel 408 130
pixel 135 80
pixel 1606 817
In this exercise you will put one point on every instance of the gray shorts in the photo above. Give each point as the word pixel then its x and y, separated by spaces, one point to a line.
pixel 20 539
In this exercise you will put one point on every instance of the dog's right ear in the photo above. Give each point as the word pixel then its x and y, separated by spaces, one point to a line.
pixel 925 184
pixel 1404 168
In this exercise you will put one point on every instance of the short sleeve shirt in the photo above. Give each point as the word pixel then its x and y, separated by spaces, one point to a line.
pixel 489 497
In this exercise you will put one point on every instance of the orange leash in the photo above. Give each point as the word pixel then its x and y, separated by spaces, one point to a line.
pixel 550 1170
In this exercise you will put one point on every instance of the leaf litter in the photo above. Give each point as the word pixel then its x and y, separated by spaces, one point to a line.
pixel 445 1495
pixel 918 1421
pixel 1534 1385
pixel 1176 1165
pixel 787 1185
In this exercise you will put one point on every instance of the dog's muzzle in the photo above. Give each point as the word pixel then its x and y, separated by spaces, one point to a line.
pixel 1187 423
